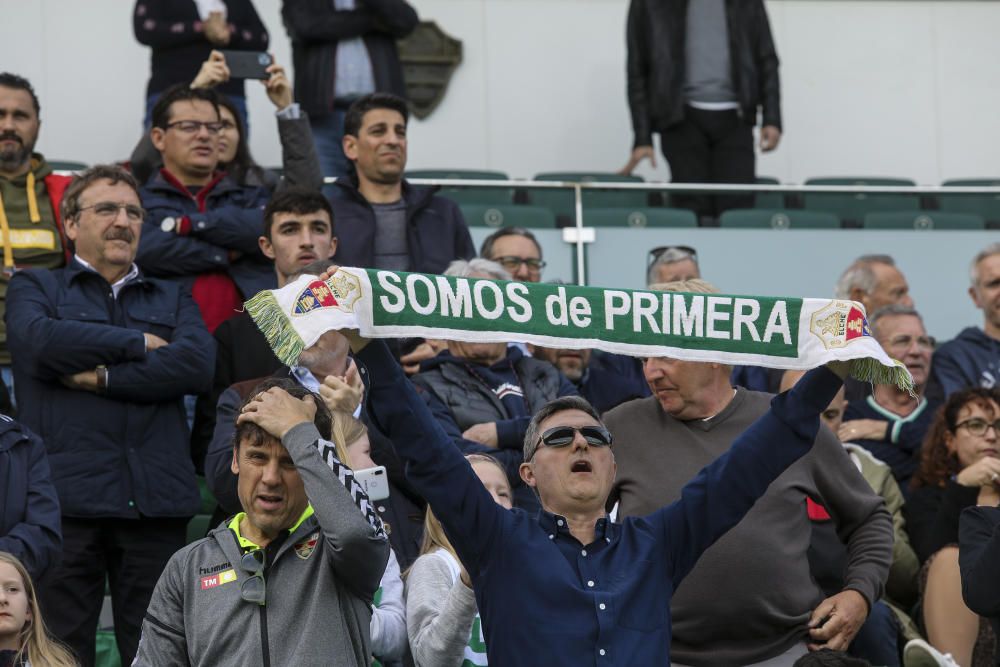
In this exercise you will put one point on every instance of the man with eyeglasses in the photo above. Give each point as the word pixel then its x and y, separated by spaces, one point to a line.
pixel 202 228
pixel 890 423
pixel 568 586
pixel 30 193
pixel 290 580
pixel 103 355
pixel 517 250
pixel 667 264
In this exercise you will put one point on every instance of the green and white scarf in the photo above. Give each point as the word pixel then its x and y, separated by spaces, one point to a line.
pixel 774 332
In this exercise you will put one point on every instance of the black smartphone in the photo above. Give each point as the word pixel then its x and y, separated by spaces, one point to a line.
pixel 247 64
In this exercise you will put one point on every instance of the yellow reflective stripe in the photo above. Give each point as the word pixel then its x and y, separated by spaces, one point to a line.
pixel 8 254
pixel 32 200
pixel 30 238
pixel 234 525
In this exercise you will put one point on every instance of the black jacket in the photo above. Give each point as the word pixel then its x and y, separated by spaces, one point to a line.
pixel 655 64
pixel 436 231
pixel 173 31
pixel 315 27
pixel 124 452
pixel 978 555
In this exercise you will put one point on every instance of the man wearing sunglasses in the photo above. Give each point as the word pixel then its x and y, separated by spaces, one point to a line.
pixel 103 356
pixel 289 580
pixel 202 228
pixel 567 586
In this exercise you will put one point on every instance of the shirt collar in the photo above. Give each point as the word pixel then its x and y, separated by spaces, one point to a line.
pixel 234 525
pixel 556 524
pixel 116 287
pixel 305 378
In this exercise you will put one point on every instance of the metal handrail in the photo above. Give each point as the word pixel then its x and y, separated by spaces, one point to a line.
pixel 579 186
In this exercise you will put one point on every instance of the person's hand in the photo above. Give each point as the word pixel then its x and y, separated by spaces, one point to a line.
pixel 343 394
pixel 213 71
pixel 426 350
pixel 985 471
pixel 863 429
pixel 279 89
pixel 154 342
pixel 277 412
pixel 639 153
pixel 836 620
pixel 216 30
pixel 83 381
pixel 769 138
pixel 353 336
pixel 484 434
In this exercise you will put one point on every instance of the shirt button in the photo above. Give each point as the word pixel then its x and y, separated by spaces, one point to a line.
pixel 552 537
pixel 201 225
pixel 584 552
pixel 560 522
pixel 168 224
pixel 591 583
pixel 601 651
pixel 131 503
pixel 602 606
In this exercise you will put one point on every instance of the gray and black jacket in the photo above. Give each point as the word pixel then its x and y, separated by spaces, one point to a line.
pixel 319 585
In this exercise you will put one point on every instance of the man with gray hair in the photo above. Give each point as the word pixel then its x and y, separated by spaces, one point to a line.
pixel 483 394
pixel 671 263
pixel 890 423
pixel 972 359
pixel 875 281
pixel 772 610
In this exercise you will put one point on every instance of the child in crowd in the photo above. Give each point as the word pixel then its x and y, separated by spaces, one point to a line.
pixel 23 638
pixel 441 616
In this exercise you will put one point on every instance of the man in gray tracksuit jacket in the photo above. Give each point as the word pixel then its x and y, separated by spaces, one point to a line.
pixel 309 523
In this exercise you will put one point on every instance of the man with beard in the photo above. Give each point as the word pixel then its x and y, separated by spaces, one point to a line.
pixel 29 195
pixel 103 356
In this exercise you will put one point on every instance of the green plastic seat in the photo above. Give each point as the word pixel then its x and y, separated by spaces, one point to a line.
pixel 469 195
pixel 563 204
pixel 107 650
pixel 987 206
pixel 754 218
pixel 477 215
pixel 639 218
pixel 768 200
pixel 924 220
pixel 208 502
pixel 198 527
pixel 67 165
pixel 854 206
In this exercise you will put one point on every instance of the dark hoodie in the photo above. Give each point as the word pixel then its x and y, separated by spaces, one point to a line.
pixel 972 359
pixel 508 393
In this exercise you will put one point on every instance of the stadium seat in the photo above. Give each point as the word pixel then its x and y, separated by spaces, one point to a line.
pixel 107 650
pixel 493 196
pixel 769 200
pixel 198 526
pixel 477 215
pixel 562 203
pixel 67 165
pixel 854 206
pixel 988 206
pixel 923 220
pixel 753 218
pixel 639 217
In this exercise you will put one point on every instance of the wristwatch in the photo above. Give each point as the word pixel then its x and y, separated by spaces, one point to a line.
pixel 102 379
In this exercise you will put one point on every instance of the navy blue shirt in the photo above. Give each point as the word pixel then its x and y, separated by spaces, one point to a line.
pixel 545 598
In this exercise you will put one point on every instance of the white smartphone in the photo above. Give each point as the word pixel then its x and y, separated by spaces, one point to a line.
pixel 375 481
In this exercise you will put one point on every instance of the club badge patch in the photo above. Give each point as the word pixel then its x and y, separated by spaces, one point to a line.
pixel 340 291
pixel 305 548
pixel 213 580
pixel 838 323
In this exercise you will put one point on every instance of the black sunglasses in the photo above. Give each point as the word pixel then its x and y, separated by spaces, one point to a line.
pixel 560 436
pixel 252 589
pixel 655 253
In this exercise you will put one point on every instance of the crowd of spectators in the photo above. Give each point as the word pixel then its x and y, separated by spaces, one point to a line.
pixel 543 506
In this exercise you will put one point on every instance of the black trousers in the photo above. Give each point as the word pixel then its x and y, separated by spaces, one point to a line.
pixel 131 554
pixel 710 147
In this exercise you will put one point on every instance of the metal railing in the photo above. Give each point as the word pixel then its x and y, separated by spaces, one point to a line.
pixel 709 188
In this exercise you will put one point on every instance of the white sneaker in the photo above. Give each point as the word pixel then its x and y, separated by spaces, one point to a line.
pixel 919 653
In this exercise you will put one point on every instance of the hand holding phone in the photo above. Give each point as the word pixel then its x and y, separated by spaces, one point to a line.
pixel 375 481
pixel 247 64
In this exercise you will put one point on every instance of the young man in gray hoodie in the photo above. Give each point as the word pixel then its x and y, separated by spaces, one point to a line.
pixel 290 580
